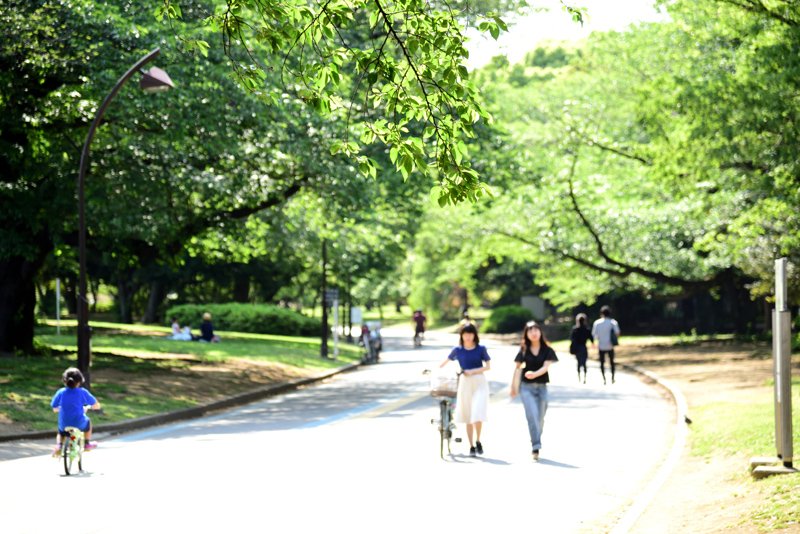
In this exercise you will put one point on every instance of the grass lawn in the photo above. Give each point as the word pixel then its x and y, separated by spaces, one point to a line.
pixel 749 429
pixel 27 383
pixel 137 371
pixel 730 390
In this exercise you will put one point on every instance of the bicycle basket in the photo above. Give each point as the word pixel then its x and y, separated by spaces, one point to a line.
pixel 444 386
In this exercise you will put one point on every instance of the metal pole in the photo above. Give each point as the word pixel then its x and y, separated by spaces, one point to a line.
pixel 58 306
pixel 782 354
pixel 335 328
pixel 84 332
pixel 323 350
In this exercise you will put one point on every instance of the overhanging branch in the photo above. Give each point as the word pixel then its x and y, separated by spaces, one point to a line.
pixel 625 269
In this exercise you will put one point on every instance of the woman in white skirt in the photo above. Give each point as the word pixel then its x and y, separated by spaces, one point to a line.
pixel 472 399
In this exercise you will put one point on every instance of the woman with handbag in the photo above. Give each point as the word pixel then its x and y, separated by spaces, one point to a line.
pixel 578 337
pixel 530 380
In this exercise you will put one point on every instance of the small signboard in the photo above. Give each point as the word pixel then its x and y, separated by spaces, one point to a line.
pixel 331 295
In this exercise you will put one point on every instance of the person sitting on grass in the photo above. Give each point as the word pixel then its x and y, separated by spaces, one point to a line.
pixel 180 334
pixel 207 330
pixel 176 327
pixel 69 403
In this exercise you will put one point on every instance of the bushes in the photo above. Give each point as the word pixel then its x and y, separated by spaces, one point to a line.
pixel 507 319
pixel 254 318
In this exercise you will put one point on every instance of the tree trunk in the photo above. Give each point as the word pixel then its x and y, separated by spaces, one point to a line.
pixel 95 291
pixel 17 303
pixel 155 299
pixel 70 294
pixel 125 292
pixel 241 287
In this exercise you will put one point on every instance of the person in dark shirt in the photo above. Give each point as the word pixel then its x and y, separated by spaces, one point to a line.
pixel 577 343
pixel 419 327
pixel 530 380
pixel 207 330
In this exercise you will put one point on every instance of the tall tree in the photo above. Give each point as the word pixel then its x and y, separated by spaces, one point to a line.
pixel 662 159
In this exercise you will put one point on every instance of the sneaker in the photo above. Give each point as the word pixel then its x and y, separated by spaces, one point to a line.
pixel 90 446
pixel 57 451
pixel 478 447
pixel 472 451
pixel 536 456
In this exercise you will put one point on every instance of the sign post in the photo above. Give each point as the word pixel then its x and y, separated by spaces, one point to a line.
pixel 782 371
pixel 332 298
pixel 782 361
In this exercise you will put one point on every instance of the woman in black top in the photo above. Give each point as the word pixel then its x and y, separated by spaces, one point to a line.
pixel 530 380
pixel 578 337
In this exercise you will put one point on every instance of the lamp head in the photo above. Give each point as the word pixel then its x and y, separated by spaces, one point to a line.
pixel 155 80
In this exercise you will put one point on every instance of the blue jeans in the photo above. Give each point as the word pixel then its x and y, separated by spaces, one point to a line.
pixel 534 399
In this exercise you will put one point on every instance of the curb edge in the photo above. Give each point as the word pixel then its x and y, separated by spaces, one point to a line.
pixel 643 500
pixel 193 412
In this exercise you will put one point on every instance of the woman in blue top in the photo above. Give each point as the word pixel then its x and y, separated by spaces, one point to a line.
pixel 531 378
pixel 69 402
pixel 472 399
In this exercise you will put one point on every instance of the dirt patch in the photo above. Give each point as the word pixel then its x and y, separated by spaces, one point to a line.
pixel 203 381
pixel 7 426
pixel 706 496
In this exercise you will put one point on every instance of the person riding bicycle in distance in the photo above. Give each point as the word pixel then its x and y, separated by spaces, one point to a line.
pixel 419 323
pixel 68 403
pixel 472 399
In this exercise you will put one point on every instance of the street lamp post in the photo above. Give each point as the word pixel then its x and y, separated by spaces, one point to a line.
pixel 154 80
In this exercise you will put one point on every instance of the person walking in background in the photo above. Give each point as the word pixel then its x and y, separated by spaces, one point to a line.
pixel 472 398
pixel 577 343
pixel 419 327
pixel 207 330
pixel 531 378
pixel 606 331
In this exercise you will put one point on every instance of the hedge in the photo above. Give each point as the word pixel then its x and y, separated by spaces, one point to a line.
pixel 253 318
pixel 507 319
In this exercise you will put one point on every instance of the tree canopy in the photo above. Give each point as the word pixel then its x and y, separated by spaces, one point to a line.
pixel 662 159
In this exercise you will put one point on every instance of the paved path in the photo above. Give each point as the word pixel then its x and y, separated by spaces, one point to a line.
pixel 358 453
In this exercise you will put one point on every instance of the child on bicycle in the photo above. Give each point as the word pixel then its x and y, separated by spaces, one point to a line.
pixel 69 403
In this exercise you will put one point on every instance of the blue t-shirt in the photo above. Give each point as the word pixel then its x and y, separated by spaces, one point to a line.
pixel 470 358
pixel 71 402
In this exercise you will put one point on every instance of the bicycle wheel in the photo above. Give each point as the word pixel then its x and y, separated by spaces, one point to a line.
pixel 68 454
pixel 72 454
pixel 444 427
pixel 450 426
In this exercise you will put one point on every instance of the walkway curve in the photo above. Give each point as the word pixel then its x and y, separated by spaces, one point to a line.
pixel 644 499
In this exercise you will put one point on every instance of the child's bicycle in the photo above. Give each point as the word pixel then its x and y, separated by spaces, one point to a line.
pixel 444 388
pixel 418 336
pixel 72 446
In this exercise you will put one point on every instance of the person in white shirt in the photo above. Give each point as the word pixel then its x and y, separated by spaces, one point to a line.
pixel 606 331
pixel 178 333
